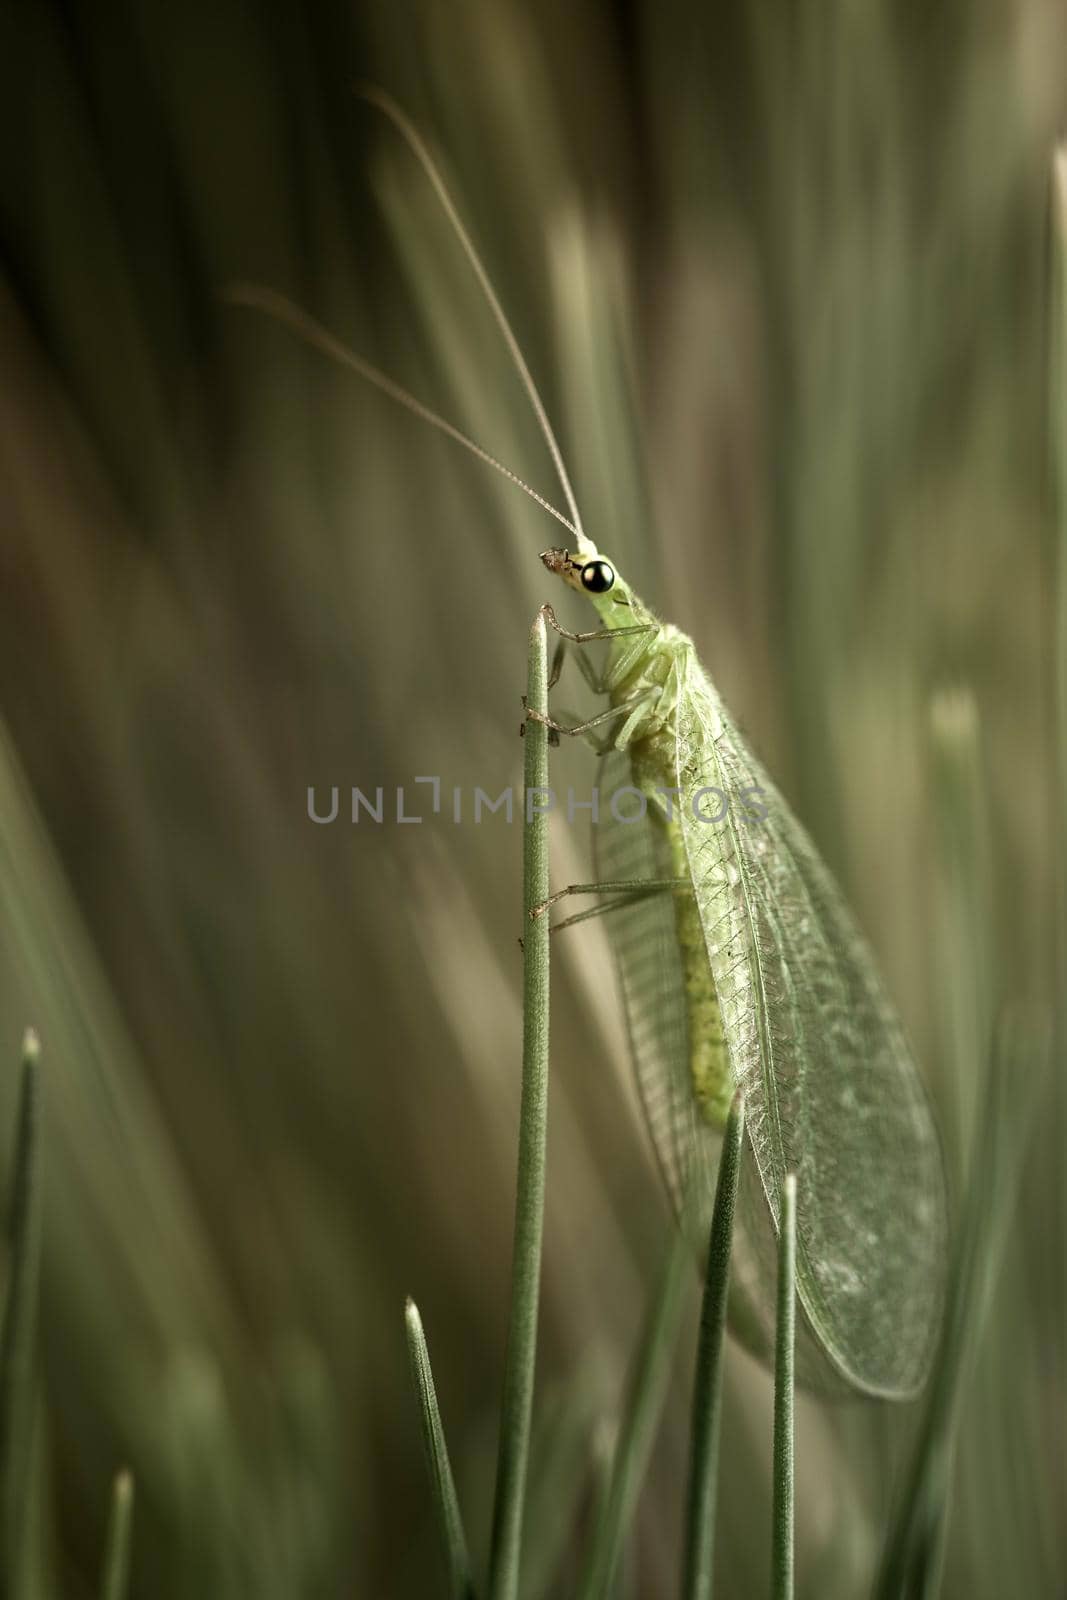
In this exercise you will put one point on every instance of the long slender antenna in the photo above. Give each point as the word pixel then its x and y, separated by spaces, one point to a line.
pixel 378 97
pixel 278 306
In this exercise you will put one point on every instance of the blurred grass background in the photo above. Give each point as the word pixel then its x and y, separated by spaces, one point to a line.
pixel 782 273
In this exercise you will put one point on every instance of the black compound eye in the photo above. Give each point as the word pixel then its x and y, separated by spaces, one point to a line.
pixel 598 577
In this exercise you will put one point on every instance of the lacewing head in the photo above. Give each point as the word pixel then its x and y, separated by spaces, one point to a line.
pixel 591 574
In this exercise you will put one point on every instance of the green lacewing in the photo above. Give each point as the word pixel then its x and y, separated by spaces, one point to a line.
pixel 750 973
pixel 740 967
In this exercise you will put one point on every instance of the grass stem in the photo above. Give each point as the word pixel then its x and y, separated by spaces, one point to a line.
pixel 116 1574
pixel 18 1338
pixel 697 1577
pixel 784 1384
pixel 1058 444
pixel 512 1460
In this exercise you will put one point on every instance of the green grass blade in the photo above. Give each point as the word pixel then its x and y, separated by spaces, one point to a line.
pixel 1058 443
pixel 912 1561
pixel 446 1502
pixel 116 1574
pixel 18 1339
pixel 569 1462
pixel 991 1112
pixel 521 1356
pixel 643 1406
pixel 965 903
pixel 1058 453
pixel 707 1387
pixel 784 1388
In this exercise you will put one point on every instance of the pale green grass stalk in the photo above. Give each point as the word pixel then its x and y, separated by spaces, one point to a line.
pixel 784 1386
pixel 446 1503
pixel 19 1336
pixel 698 1572
pixel 1058 447
pixel 644 1404
pixel 512 1460
pixel 1058 461
pixel 965 924
pixel 1058 443
pixel 116 1575
pixel 569 1464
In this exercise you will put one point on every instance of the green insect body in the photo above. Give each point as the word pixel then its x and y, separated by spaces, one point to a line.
pixel 753 975
pixel 709 1066
pixel 650 673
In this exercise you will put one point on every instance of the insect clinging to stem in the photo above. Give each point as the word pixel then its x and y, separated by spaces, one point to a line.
pixel 739 962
